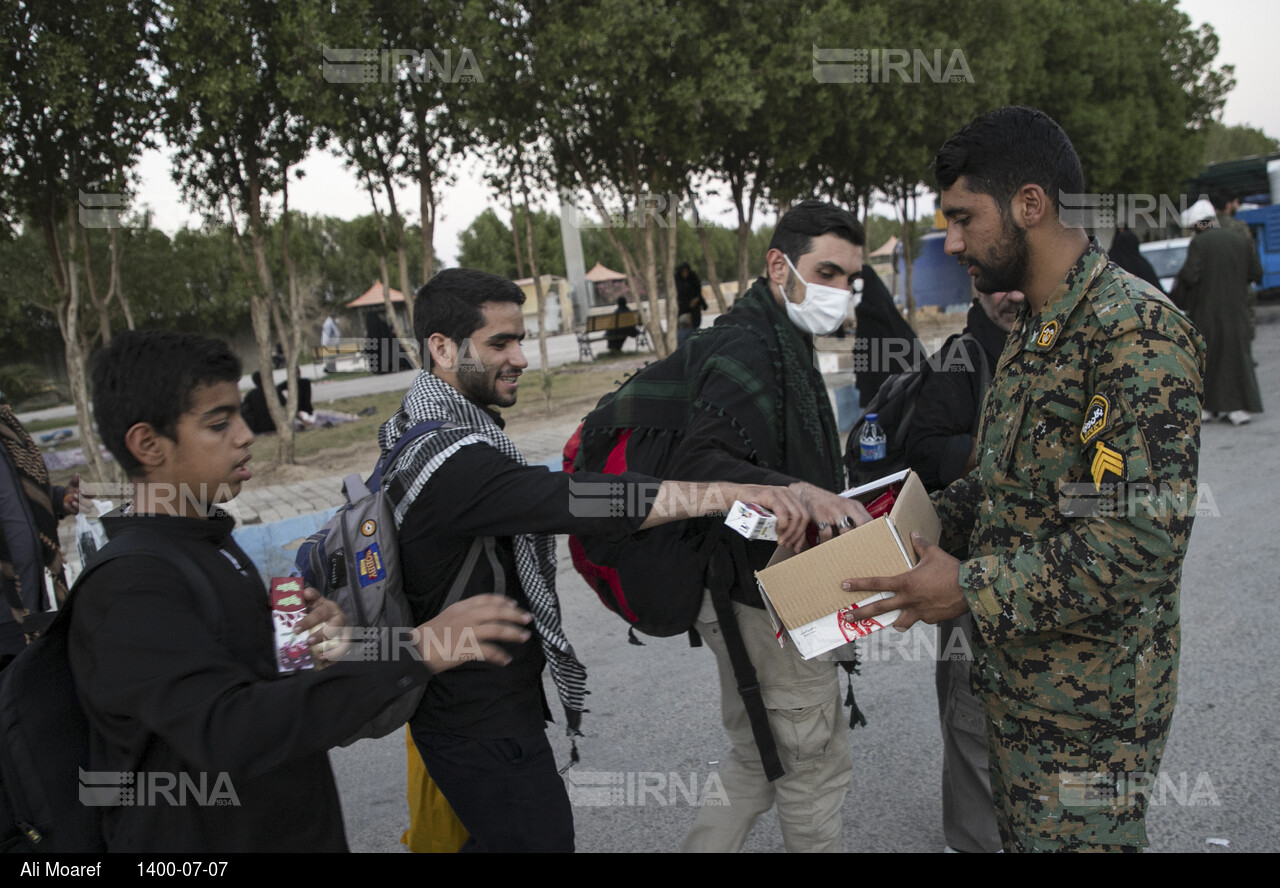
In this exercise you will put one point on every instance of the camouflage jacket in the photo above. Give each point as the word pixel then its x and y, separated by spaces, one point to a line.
pixel 1076 520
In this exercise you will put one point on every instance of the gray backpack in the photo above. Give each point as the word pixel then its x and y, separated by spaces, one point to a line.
pixel 354 560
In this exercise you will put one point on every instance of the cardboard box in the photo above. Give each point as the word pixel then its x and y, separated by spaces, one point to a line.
pixel 802 592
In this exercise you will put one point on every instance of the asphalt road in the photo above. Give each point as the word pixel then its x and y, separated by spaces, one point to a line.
pixel 653 730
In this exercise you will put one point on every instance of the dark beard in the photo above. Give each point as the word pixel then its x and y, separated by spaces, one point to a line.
pixel 1008 268
pixel 481 389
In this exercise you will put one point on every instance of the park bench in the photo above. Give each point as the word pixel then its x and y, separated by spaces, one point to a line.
pixel 347 347
pixel 604 324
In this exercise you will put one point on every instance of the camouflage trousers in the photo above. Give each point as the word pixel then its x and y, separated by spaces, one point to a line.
pixel 1066 790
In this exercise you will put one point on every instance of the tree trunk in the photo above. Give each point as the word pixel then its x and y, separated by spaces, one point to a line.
pixel 260 312
pixel 651 284
pixel 405 337
pixel 117 288
pixel 100 306
pixel 669 275
pixel 746 210
pixel 74 349
pixel 427 208
pixel 713 276
pixel 515 237
pixel 291 334
pixel 541 296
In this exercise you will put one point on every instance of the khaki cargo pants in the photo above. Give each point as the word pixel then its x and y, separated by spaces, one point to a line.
pixel 803 702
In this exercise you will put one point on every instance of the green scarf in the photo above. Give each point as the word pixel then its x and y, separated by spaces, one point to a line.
pixel 789 429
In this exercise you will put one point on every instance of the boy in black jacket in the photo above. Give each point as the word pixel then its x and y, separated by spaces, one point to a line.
pixel 180 684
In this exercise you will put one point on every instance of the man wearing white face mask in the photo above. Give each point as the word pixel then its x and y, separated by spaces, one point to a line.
pixel 758 410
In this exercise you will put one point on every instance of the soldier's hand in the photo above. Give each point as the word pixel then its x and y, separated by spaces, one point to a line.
pixel 930 591
pixel 831 513
pixel 471 630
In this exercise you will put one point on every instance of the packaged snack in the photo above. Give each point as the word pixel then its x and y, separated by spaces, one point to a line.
pixel 752 521
pixel 287 610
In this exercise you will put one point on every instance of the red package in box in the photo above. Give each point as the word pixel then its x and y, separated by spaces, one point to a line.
pixel 288 609
pixel 883 504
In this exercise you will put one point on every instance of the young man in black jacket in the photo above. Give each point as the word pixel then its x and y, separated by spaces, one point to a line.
pixel 482 731
pixel 180 683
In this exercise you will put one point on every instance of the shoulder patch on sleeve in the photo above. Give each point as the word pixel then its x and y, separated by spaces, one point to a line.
pixel 1113 306
pixel 1095 418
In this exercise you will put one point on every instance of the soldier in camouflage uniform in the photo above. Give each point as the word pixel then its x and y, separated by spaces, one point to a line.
pixel 1070 533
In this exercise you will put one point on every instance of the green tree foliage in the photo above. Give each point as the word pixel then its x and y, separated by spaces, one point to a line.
pixel 78 107
pixel 1132 83
pixel 242 108
pixel 1235 142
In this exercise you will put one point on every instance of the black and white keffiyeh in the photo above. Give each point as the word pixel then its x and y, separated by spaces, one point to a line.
pixel 430 398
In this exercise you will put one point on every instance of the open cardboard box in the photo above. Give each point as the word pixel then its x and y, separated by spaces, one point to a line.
pixel 802 592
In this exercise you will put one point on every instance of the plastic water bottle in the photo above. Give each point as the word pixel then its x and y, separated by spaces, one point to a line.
pixel 872 441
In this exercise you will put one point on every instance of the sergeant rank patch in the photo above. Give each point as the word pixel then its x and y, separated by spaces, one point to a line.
pixel 1095 418
pixel 1108 465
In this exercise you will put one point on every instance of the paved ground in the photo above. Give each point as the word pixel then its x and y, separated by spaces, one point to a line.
pixel 654 710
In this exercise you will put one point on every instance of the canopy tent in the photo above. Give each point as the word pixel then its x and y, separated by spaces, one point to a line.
pixel 599 274
pixel 373 297
pixel 885 249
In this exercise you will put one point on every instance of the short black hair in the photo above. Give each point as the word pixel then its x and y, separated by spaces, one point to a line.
pixel 150 376
pixel 1220 197
pixel 808 219
pixel 1005 149
pixel 450 303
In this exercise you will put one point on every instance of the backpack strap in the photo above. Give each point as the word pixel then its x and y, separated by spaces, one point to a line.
pixel 131 545
pixel 469 567
pixel 719 581
pixel 412 434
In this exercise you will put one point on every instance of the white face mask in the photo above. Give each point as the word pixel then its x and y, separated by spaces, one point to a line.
pixel 823 309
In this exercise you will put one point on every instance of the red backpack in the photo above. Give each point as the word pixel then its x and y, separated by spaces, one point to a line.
pixel 656 579
pixel 653 579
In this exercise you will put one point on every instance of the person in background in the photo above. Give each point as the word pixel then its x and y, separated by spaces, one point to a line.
pixel 1213 288
pixel 330 336
pixel 616 338
pixel 1125 253
pixel 689 301
pixel 30 509
pixel 258 416
pixel 884 343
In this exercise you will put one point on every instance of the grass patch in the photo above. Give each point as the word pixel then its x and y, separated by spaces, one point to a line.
pixel 44 425
pixel 337 375
pixel 570 392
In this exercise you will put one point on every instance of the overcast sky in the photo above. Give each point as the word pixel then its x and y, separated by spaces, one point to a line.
pixel 1247 31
